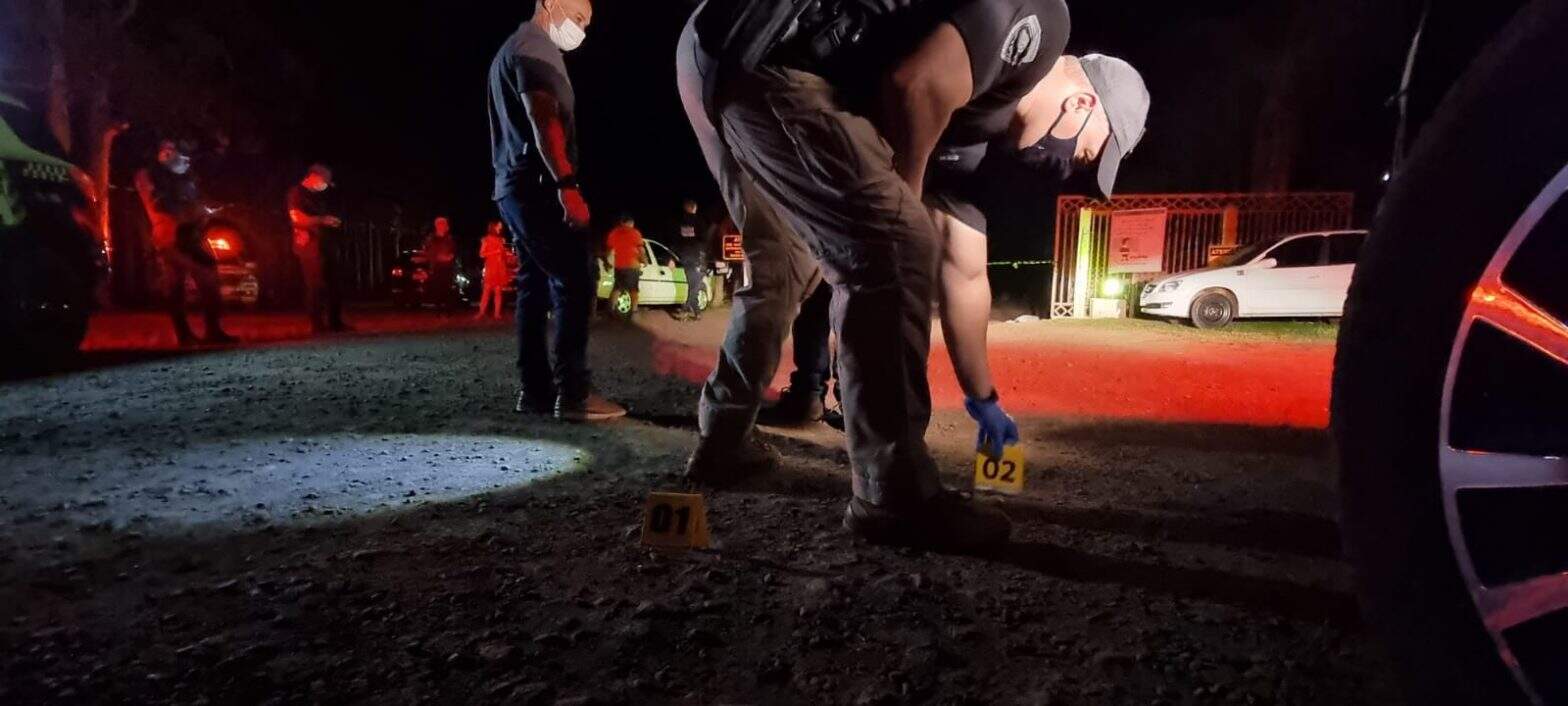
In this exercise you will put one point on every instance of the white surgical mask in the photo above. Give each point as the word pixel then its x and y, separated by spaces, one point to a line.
pixel 567 34
pixel 180 164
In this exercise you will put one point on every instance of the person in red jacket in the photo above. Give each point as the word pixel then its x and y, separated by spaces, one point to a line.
pixel 625 245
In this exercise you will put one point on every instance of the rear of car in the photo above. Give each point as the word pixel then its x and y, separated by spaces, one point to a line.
pixel 51 260
pixel 237 273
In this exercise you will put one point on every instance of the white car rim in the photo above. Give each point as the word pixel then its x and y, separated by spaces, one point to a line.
pixel 1506 607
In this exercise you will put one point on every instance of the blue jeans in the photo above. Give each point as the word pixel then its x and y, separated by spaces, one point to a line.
pixel 556 274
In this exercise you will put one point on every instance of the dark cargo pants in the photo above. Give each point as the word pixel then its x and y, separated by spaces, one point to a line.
pixel 777 274
pixel 830 175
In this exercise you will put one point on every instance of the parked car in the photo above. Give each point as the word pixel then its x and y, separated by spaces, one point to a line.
pixel 1450 380
pixel 661 284
pixel 408 282
pixel 51 260
pixel 1298 275
pixel 237 276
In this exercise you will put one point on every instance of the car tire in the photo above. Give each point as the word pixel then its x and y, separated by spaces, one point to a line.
pixel 1212 309
pixel 621 304
pixel 44 307
pixel 704 297
pixel 1452 207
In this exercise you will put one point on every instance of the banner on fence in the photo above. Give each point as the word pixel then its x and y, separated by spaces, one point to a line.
pixel 1138 241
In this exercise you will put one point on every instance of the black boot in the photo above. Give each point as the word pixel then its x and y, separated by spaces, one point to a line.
pixel 715 465
pixel 946 522
pixel 793 409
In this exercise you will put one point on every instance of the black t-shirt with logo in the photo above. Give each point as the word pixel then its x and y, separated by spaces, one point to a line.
pixel 692 244
pixel 1012 44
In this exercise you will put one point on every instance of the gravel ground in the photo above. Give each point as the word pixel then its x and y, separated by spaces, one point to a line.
pixel 364 519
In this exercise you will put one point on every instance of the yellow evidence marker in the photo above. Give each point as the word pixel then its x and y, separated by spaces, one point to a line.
pixel 1003 475
pixel 675 521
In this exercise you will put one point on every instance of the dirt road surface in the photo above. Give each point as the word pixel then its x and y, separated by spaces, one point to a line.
pixel 363 519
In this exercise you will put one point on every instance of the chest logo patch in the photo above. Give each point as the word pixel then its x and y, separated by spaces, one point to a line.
pixel 1023 42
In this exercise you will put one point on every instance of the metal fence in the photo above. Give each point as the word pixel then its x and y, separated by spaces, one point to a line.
pixel 369 249
pixel 1196 222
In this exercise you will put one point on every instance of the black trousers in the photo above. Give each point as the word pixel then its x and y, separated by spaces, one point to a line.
pixel 186 260
pixel 322 268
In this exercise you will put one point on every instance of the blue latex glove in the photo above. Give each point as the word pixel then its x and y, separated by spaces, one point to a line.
pixel 997 430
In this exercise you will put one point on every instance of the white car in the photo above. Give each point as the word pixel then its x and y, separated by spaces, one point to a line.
pixel 660 283
pixel 1298 275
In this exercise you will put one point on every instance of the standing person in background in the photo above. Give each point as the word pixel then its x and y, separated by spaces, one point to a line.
pixel 172 198
pixel 441 255
pixel 492 251
pixel 316 232
pixel 624 243
pixel 693 251
pixel 533 149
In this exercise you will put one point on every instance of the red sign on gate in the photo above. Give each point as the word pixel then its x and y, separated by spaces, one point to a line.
pixel 1138 241
pixel 733 252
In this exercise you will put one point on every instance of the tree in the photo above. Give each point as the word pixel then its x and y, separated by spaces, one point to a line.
pixel 84 40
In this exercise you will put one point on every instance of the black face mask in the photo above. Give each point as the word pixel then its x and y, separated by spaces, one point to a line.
pixel 1052 157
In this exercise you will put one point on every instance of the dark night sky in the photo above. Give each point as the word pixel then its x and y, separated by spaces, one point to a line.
pixel 395 92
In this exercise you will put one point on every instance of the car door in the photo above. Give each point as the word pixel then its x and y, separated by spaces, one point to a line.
pixel 1344 249
pixel 658 278
pixel 1286 289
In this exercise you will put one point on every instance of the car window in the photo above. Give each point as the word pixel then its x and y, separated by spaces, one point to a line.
pixel 1345 248
pixel 1301 252
pixel 30 127
pixel 661 254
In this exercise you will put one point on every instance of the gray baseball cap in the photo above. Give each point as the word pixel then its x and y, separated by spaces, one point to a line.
pixel 1126 102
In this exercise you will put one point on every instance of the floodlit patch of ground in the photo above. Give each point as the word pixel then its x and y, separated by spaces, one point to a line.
pixel 238 482
pixel 1169 548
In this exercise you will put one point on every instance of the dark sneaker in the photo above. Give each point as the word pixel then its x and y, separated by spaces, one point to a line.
pixel 716 466
pixel 791 410
pixel 948 522
pixel 218 337
pixel 592 408
pixel 534 405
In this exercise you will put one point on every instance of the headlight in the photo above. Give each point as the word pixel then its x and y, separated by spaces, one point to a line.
pixel 1171 286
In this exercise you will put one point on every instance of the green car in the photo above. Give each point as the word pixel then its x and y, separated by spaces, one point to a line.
pixel 51 261
pixel 661 285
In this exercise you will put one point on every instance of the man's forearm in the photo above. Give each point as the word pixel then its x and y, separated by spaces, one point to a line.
pixel 550 134
pixel 965 303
